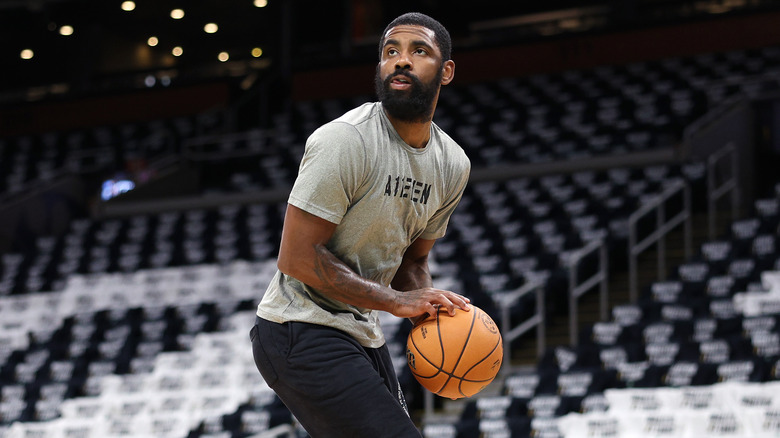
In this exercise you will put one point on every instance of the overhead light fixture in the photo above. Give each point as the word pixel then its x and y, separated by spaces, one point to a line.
pixel 128 6
pixel 223 56
pixel 210 28
pixel 177 14
pixel 66 30
pixel 261 3
pixel 257 52
pixel 177 51
pixel 26 54
pixel 152 41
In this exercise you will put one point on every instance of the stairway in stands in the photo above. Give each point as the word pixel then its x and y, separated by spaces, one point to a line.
pixel 557 334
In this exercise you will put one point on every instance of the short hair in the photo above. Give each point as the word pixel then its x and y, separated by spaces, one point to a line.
pixel 441 35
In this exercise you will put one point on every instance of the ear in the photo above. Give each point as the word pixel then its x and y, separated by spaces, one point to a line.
pixel 448 72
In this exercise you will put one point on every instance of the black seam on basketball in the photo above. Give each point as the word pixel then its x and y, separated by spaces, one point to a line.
pixel 443 352
pixel 439 370
pixel 441 343
pixel 462 350
pixel 464 379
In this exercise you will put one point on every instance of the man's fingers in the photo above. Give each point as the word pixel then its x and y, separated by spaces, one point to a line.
pixel 461 301
pixel 452 300
pixel 428 300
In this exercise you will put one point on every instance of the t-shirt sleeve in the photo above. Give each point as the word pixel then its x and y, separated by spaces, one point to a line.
pixel 437 225
pixel 330 172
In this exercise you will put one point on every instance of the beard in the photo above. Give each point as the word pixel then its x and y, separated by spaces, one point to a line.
pixel 413 105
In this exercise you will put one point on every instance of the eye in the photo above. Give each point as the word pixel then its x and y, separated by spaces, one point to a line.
pixel 421 51
pixel 392 51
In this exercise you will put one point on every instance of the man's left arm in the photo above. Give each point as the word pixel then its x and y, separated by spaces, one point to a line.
pixel 414 272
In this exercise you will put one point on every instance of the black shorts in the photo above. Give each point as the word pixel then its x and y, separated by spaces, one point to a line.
pixel 334 386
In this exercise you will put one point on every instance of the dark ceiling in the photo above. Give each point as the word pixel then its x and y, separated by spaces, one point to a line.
pixel 109 41
pixel 108 47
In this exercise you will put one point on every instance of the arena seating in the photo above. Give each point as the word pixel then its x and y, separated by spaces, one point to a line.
pixel 116 327
pixel 734 409
pixel 165 348
pixel 543 118
pixel 31 159
pixel 506 234
pixel 690 357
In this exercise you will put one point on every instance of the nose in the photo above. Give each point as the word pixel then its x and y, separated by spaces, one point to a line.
pixel 403 62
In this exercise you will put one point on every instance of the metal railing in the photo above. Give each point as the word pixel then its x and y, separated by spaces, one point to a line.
pixel 577 289
pixel 662 227
pixel 729 186
pixel 505 301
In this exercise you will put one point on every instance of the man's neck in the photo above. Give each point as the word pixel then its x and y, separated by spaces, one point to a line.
pixel 415 134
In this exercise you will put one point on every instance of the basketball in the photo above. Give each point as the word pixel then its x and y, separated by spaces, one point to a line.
pixel 455 356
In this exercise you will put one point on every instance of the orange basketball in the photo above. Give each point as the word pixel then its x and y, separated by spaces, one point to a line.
pixel 455 356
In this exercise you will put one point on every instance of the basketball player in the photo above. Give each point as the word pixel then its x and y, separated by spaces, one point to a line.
pixel 375 188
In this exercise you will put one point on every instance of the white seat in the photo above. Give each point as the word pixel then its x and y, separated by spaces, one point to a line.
pixel 770 280
pixel 596 424
pixel 83 407
pixel 171 425
pixel 757 303
pixel 440 430
pixel 46 429
pixel 627 314
pixel 522 385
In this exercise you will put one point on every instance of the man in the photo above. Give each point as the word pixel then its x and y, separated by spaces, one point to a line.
pixel 375 188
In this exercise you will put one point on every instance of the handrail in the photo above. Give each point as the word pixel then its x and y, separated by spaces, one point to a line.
pixel 506 300
pixel 713 115
pixel 576 290
pixel 730 185
pixel 662 229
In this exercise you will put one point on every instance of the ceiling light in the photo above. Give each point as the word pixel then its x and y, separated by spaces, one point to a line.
pixel 223 56
pixel 177 51
pixel 261 3
pixel 177 14
pixel 210 28
pixel 128 6
pixel 26 54
pixel 257 52
pixel 152 41
pixel 66 30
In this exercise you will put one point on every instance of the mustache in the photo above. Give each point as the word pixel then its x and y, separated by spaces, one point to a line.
pixel 415 80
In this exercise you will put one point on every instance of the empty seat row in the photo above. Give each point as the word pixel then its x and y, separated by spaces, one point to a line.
pixel 576 114
pixel 733 409
pixel 41 157
pixel 143 242
pixel 211 385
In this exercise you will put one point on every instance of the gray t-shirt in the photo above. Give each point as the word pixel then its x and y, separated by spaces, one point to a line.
pixel 383 194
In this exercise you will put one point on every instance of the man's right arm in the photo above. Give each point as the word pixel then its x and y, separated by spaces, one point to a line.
pixel 303 255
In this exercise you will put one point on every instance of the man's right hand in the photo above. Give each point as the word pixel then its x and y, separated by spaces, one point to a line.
pixel 418 304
